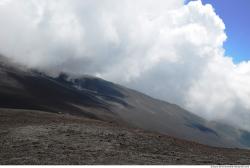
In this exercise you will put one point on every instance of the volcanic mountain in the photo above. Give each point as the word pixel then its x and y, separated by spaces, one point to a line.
pixel 29 97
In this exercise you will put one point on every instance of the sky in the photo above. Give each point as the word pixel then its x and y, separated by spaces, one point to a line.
pixel 235 14
pixel 168 49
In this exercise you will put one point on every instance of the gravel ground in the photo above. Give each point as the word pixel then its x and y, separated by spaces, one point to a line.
pixel 33 137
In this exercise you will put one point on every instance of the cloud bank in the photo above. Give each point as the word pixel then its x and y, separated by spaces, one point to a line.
pixel 166 49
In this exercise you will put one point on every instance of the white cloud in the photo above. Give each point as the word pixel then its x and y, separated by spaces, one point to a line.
pixel 163 48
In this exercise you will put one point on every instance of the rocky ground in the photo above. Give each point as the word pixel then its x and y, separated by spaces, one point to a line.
pixel 33 137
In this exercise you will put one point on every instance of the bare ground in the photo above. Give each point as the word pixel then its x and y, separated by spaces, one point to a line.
pixel 33 137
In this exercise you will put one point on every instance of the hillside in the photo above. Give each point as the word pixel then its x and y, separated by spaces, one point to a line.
pixel 95 98
pixel 45 120
pixel 35 137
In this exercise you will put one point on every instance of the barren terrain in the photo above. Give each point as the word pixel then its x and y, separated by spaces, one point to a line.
pixel 35 137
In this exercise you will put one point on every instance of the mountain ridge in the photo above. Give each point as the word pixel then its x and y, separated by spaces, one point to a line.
pixel 96 98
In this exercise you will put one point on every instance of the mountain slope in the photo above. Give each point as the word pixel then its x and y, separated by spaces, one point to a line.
pixel 98 99
pixel 36 137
